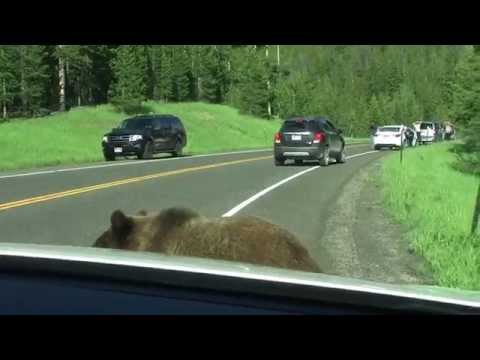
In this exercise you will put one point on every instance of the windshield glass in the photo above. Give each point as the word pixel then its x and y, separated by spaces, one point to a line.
pixel 389 129
pixel 224 173
pixel 135 124
pixel 299 125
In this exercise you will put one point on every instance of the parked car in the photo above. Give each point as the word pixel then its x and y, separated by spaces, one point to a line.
pixel 311 138
pixel 427 132
pixel 144 136
pixel 391 136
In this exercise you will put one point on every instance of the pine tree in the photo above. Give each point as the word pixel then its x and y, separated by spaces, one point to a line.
pixel 466 104
pixel 374 110
pixel 214 73
pixel 466 111
pixel 130 70
pixel 182 76
pixel 250 81
pixel 78 72
pixel 7 78
pixel 101 76
pixel 162 71
pixel 33 76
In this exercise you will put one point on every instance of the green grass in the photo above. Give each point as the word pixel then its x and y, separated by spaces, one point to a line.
pixel 436 203
pixel 74 136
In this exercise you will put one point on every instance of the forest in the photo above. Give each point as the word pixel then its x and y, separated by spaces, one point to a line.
pixel 354 86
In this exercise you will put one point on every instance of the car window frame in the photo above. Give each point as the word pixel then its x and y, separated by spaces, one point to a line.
pixel 177 125
pixel 328 126
pixel 292 121
pixel 157 124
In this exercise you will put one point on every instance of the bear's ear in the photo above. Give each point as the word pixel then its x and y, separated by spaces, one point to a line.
pixel 121 224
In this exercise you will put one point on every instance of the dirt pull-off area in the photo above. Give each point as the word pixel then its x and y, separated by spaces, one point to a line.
pixel 362 241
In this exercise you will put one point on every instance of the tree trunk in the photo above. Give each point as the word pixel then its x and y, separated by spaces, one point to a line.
pixel 22 80
pixel 269 104
pixel 61 81
pixel 476 215
pixel 199 88
pixel 278 55
pixel 79 97
pixel 4 110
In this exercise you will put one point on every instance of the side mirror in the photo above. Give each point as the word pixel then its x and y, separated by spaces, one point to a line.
pixel 339 131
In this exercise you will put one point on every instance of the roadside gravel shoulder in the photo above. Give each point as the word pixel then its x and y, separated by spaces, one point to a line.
pixel 362 241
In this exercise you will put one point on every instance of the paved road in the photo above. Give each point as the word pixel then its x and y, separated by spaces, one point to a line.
pixel 72 206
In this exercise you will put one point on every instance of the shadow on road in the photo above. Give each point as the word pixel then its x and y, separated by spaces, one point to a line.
pixel 308 164
pixel 154 157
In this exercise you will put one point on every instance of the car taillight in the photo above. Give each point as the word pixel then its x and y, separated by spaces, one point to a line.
pixel 319 137
pixel 397 135
pixel 278 138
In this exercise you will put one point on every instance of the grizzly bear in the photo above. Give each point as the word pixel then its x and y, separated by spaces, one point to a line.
pixel 182 232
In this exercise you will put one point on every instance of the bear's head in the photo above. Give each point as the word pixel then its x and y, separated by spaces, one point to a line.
pixel 142 231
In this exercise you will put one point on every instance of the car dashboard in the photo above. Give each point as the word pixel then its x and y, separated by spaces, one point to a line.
pixel 51 280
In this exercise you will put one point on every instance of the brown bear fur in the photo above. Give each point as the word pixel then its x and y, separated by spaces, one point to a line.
pixel 182 232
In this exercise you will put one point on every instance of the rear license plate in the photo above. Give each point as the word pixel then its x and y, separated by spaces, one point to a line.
pixel 296 137
pixel 118 150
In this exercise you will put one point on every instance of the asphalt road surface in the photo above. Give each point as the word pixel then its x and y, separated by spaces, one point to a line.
pixel 72 205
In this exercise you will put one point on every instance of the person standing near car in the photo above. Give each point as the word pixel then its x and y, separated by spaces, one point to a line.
pixel 416 127
pixel 409 136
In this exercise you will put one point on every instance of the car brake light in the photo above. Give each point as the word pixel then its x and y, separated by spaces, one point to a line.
pixel 278 138
pixel 319 137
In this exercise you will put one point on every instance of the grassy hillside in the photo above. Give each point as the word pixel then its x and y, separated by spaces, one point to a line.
pixel 436 203
pixel 75 136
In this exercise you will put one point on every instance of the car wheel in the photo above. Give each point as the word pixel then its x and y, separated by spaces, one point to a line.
pixel 109 157
pixel 147 151
pixel 341 157
pixel 178 150
pixel 279 162
pixel 298 162
pixel 325 160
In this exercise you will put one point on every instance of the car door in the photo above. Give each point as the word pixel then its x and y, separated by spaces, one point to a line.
pixel 171 133
pixel 180 131
pixel 183 131
pixel 332 133
pixel 161 135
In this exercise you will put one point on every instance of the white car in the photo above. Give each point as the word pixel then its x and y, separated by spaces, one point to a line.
pixel 427 132
pixel 391 136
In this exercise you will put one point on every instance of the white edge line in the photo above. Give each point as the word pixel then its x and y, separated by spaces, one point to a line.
pixel 44 172
pixel 258 195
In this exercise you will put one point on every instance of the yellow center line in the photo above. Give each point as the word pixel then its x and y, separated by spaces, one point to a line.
pixel 107 185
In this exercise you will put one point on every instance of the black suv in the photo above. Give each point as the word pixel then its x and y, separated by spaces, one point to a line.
pixel 312 138
pixel 144 136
